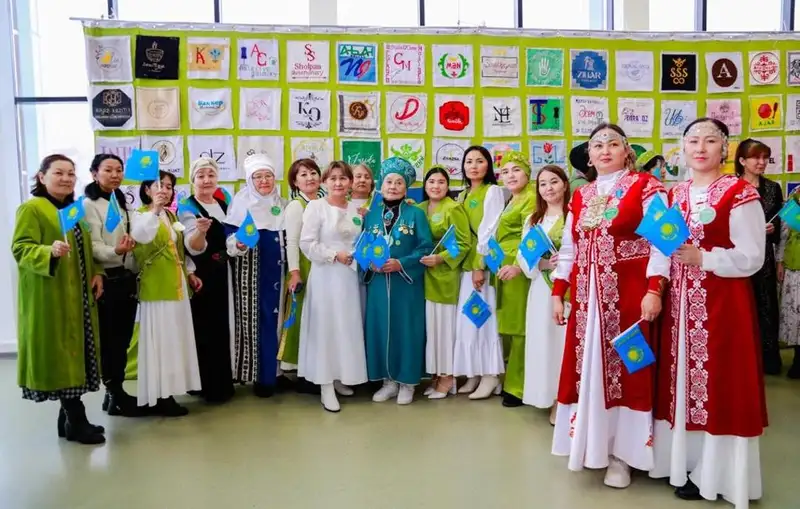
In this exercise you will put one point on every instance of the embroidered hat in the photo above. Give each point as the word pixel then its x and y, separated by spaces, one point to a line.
pixel 645 158
pixel 400 167
pixel 517 158
pixel 201 163
pixel 256 162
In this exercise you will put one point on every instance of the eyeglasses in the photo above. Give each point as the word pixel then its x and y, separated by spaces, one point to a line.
pixel 263 178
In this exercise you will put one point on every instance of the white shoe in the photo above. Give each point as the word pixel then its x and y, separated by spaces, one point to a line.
pixel 405 395
pixel 342 389
pixel 618 474
pixel 328 398
pixel 470 386
pixel 490 384
pixel 434 394
pixel 387 392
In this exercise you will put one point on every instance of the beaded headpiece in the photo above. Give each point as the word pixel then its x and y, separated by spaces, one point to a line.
pixel 517 158
pixel 705 129
pixel 607 135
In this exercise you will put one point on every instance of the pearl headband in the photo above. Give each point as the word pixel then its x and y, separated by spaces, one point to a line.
pixel 607 135
pixel 706 129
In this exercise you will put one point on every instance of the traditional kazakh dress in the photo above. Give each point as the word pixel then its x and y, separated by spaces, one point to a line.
pixel 511 294
pixel 544 340
pixel 331 331
pixel 57 323
pixel 258 286
pixel 293 221
pixel 711 407
pixel 441 285
pixel 789 254
pixel 602 409
pixel 167 350
pixel 479 352
pixel 395 325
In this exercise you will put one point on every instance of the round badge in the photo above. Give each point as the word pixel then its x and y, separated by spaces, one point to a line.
pixel 707 216
pixel 436 218
pixel 357 221
pixel 397 242
pixel 473 203
pixel 611 213
pixel 276 211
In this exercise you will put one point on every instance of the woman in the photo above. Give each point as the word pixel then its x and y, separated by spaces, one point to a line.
pixel 478 352
pixel 258 277
pixel 167 358
pixel 331 333
pixel 650 162
pixel 511 288
pixel 211 306
pixel 544 340
pixel 788 257
pixel 304 181
pixel 583 172
pixel 116 310
pixel 363 186
pixel 395 332
pixel 604 414
pixel 58 285
pixel 442 279
pixel 711 406
pixel 751 161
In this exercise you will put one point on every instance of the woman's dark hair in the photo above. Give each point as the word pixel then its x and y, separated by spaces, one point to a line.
pixel 541 203
pixel 630 161
pixel 294 169
pixel 38 188
pixel 747 149
pixel 653 162
pixel 579 159
pixel 342 166
pixel 146 200
pixel 434 171
pixel 93 191
pixel 720 125
pixel 490 177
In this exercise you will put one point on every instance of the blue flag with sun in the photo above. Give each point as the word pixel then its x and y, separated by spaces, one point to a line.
pixel 70 215
pixel 378 252
pixel 534 245
pixel 494 259
pixel 247 233
pixel 663 227
pixel 476 310
pixel 361 250
pixel 142 165
pixel 113 214
pixel 633 349
pixel 449 242
pixel 790 213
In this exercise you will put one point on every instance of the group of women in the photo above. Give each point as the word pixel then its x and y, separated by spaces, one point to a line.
pixel 302 309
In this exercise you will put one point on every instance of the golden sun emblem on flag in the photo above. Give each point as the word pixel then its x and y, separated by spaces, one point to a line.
pixel 72 213
pixel 635 354
pixel 377 250
pixel 530 244
pixel 492 253
pixel 668 231
pixel 250 229
pixel 475 310
pixel 146 161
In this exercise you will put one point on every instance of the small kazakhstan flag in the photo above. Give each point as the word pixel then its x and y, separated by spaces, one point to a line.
pixel 142 165
pixel 476 309
pixel 70 215
pixel 379 252
pixel 664 228
pixel 247 233
pixel 494 259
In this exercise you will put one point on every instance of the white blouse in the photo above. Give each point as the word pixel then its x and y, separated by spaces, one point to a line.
pixel 493 206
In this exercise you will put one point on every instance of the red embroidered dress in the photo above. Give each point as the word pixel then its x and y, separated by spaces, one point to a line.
pixel 724 386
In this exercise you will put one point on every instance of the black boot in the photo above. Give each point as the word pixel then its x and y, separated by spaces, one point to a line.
pixel 263 391
pixel 168 407
pixel 120 403
pixel 303 386
pixel 794 371
pixel 76 427
pixel 511 401
pixel 688 491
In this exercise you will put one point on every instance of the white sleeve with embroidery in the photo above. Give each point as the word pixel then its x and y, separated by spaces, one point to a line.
pixel 566 255
pixel 493 207
pixel 658 265
pixel 747 225
pixel 293 219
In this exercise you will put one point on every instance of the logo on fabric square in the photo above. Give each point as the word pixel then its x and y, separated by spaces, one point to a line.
pixel 793 68
pixel 357 63
pixel 454 115
pixel 545 115
pixel 589 69
pixel 678 72
pixel 765 68
pixel 157 57
pixel 112 107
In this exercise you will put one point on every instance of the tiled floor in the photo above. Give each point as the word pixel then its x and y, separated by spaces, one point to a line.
pixel 288 453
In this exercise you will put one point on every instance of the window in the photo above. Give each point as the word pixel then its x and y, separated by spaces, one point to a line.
pixel 560 14
pixel 199 11
pixel 451 13
pixel 394 13
pixel 727 16
pixel 63 128
pixel 672 15
pixel 265 12
pixel 50 47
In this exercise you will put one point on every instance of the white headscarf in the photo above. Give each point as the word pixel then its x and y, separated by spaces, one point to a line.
pixel 267 211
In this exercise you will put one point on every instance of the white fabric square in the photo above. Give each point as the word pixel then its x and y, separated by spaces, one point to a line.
pixel 218 148
pixel 260 108
pixel 502 117
pixel 210 108
pixel 310 110
pixel 170 153
pixel 272 146
pixel 108 59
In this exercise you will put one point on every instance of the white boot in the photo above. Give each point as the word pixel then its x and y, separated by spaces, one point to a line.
pixel 490 384
pixel 406 394
pixel 342 389
pixel 470 386
pixel 328 397
pixel 618 473
pixel 387 392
